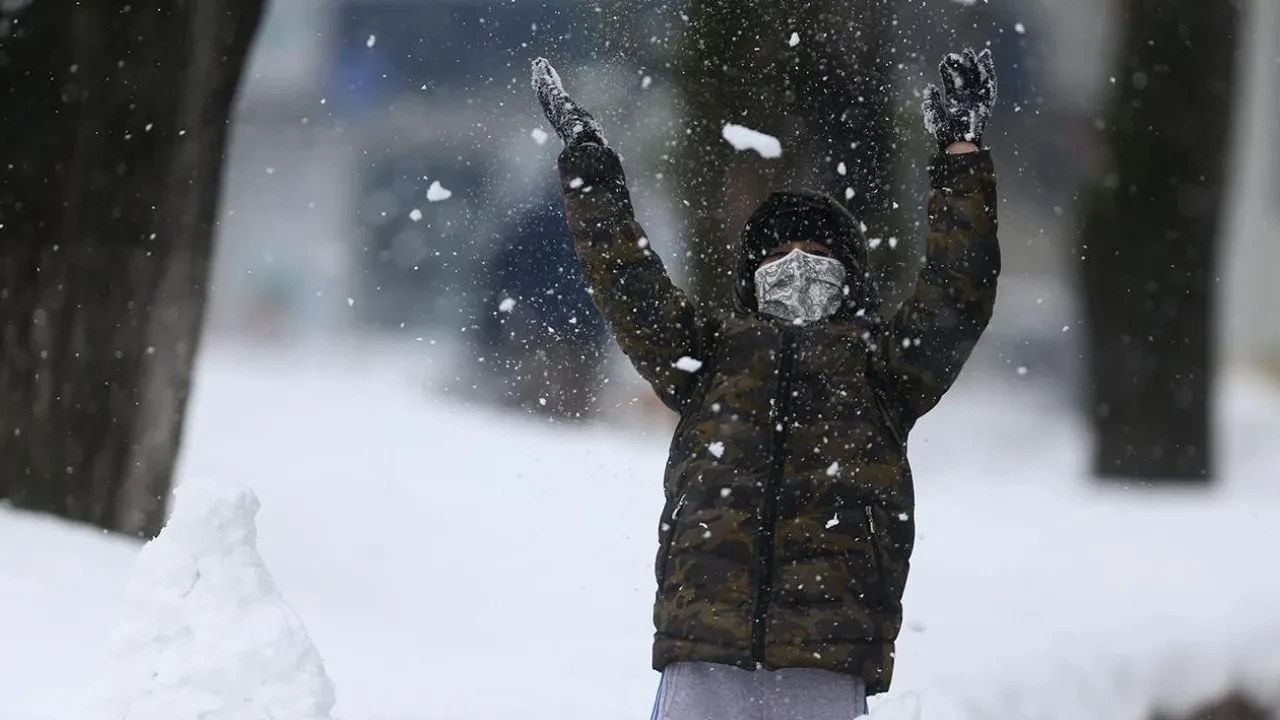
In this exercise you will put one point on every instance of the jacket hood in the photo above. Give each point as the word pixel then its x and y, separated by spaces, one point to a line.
pixel 798 215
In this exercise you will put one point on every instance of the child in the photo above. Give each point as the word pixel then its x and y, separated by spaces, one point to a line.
pixel 788 526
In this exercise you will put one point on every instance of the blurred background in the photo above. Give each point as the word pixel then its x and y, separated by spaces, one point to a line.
pixel 351 110
pixel 340 275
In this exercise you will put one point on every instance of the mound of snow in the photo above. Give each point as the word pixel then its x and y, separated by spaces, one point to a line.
pixel 744 138
pixel 204 633
pixel 901 707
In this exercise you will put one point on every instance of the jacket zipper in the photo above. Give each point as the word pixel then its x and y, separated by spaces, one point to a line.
pixel 772 489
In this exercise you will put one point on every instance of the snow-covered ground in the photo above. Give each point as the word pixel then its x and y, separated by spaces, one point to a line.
pixel 449 563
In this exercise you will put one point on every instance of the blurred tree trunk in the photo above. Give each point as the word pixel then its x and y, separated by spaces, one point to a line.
pixel 826 98
pixel 1147 238
pixel 113 124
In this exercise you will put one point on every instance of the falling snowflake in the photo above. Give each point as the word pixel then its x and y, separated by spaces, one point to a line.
pixel 744 138
pixel 688 364
pixel 436 192
pixel 716 448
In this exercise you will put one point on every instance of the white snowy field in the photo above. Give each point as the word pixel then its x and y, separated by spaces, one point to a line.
pixel 450 563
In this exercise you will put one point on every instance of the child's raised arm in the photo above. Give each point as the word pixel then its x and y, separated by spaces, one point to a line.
pixel 652 320
pixel 931 336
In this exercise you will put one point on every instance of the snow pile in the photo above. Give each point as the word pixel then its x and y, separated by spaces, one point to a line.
pixel 902 707
pixel 205 634
pixel 744 138
pixel 1035 592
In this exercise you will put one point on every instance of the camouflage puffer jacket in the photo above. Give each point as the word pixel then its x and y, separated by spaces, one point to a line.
pixel 789 518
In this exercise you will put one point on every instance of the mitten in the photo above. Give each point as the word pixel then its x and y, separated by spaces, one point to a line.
pixel 574 125
pixel 960 109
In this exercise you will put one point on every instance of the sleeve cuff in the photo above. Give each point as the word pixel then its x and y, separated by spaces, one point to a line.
pixel 594 186
pixel 590 165
pixel 964 173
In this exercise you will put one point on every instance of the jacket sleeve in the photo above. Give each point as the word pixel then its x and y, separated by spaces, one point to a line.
pixel 653 321
pixel 929 338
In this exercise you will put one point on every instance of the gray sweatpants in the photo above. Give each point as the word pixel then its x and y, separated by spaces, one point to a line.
pixel 708 691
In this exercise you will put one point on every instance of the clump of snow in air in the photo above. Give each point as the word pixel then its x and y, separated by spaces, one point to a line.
pixel 415 214
pixel 794 40
pixel 965 2
pixel 841 168
pixel 716 448
pixel 1020 29
pixel 744 138
pixel 539 136
pixel 373 39
pixel 645 82
pixel 204 633
pixel 436 192
pixel 506 304
pixel 688 364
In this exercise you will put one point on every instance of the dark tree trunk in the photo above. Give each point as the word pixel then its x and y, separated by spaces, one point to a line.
pixel 113 122
pixel 825 98
pixel 1147 239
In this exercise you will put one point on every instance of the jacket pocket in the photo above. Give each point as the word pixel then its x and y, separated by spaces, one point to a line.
pixel 890 421
pixel 667 532
pixel 883 591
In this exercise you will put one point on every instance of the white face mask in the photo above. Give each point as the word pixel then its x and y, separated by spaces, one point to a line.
pixel 800 288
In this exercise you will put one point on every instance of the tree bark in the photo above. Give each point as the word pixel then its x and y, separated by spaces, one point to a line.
pixel 825 98
pixel 1148 240
pixel 113 123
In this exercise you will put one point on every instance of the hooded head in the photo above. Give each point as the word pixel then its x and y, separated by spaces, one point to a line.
pixel 798 216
